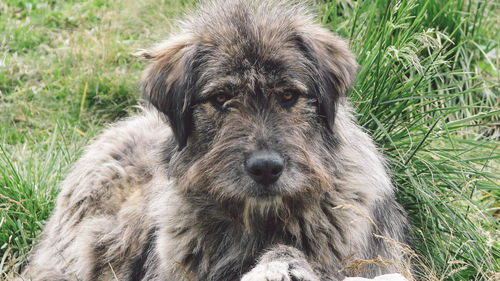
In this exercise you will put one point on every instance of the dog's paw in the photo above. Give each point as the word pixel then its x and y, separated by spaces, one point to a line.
pixel 280 271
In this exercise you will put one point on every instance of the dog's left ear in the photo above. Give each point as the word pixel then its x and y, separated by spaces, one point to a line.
pixel 169 82
pixel 333 67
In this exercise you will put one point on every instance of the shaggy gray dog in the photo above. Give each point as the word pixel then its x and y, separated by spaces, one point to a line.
pixel 258 173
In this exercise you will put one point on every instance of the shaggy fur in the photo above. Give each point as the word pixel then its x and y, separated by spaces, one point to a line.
pixel 167 195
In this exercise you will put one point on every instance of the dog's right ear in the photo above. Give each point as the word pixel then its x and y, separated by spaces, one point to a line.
pixel 169 82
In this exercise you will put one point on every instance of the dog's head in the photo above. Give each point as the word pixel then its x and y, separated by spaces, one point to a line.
pixel 250 90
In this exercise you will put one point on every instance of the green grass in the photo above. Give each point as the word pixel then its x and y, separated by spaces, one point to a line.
pixel 429 96
pixel 428 91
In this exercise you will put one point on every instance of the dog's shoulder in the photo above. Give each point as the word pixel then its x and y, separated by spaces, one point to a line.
pixel 118 164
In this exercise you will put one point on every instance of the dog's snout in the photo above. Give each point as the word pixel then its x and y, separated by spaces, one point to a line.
pixel 264 166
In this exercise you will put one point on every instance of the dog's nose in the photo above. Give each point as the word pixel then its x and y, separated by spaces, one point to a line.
pixel 264 166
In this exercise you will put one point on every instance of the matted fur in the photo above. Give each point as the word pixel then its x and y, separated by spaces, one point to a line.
pixel 156 198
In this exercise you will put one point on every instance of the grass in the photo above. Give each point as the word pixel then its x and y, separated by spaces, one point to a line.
pixel 428 91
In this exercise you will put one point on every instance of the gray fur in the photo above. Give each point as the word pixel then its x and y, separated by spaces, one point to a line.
pixel 165 196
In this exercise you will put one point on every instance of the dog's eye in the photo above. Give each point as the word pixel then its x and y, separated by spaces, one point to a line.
pixel 219 100
pixel 288 98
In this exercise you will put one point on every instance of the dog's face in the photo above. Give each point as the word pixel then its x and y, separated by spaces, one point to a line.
pixel 250 93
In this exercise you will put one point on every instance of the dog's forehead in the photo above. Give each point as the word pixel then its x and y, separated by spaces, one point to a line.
pixel 245 45
pixel 252 68
pixel 235 85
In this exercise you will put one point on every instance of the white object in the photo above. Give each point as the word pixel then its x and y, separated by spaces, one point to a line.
pixel 386 277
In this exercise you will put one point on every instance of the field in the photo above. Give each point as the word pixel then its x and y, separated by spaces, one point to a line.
pixel 428 91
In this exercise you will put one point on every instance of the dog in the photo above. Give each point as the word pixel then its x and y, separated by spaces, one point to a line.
pixel 245 164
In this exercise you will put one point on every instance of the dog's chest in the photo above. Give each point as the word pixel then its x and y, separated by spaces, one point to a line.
pixel 224 249
pixel 223 252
